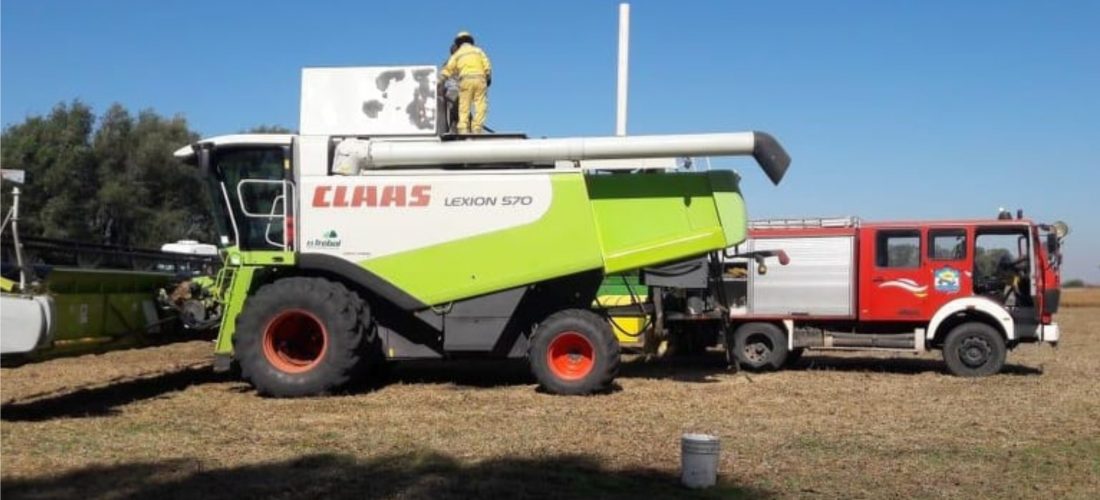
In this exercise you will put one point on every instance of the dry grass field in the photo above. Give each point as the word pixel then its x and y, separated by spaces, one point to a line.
pixel 157 423
pixel 1081 297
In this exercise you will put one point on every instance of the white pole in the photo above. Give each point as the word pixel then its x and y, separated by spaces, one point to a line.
pixel 15 239
pixel 624 68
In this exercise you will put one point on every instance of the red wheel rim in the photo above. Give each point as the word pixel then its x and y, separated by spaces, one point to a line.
pixel 571 356
pixel 295 341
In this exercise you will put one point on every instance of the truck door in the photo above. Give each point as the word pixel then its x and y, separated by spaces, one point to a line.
pixel 949 262
pixel 892 286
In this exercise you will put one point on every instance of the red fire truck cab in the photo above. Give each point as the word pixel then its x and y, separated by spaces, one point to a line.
pixel 972 288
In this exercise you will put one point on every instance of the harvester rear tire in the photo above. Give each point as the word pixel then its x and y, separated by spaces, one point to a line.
pixel 303 337
pixel 573 352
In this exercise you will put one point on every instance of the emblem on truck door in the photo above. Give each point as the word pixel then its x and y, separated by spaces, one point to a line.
pixel 946 280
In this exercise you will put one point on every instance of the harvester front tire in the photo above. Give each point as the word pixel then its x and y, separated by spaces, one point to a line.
pixel 302 337
pixel 573 352
pixel 974 350
pixel 760 346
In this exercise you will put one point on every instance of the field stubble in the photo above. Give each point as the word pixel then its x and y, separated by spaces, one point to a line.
pixel 157 422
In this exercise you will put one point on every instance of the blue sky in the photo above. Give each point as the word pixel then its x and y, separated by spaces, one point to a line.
pixel 926 109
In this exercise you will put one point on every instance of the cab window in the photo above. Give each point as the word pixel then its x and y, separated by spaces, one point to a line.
pixel 897 248
pixel 1002 264
pixel 947 244
pixel 254 164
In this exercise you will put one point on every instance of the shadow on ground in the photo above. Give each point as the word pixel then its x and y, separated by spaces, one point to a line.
pixel 412 475
pixel 469 372
pixel 899 365
pixel 499 373
pixel 105 399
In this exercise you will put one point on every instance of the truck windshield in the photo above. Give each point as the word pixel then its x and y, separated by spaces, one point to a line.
pixel 1002 265
pixel 256 204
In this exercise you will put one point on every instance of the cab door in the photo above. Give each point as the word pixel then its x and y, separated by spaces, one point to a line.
pixel 949 257
pixel 892 284
pixel 254 181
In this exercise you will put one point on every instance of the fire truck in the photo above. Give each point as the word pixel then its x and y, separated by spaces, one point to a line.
pixel 973 289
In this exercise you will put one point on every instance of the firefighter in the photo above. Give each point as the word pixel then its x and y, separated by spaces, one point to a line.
pixel 475 74
pixel 450 95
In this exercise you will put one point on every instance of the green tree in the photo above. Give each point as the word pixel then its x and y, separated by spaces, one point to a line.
pixel 61 172
pixel 117 183
pixel 269 129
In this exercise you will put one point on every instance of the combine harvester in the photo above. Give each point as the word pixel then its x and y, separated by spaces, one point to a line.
pixel 66 297
pixel 372 236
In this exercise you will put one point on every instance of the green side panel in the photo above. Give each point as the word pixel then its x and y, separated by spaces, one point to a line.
pixel 562 242
pixel 622 284
pixel 266 258
pixel 618 222
pixel 731 206
pixel 102 303
pixel 647 219
pixel 78 280
pixel 240 283
pixel 83 315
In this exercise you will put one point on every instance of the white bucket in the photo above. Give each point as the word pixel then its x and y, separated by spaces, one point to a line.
pixel 699 460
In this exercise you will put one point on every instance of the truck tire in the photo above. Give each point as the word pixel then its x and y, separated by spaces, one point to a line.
pixel 974 350
pixel 573 352
pixel 302 337
pixel 760 346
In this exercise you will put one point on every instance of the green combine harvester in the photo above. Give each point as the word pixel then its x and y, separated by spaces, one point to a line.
pixel 375 236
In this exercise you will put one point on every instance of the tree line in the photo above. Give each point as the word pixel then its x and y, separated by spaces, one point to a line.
pixel 109 180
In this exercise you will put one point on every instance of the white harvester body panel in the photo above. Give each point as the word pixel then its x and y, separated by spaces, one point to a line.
pixel 369 101
pixel 361 217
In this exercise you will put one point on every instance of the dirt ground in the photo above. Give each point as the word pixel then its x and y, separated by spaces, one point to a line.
pixel 157 423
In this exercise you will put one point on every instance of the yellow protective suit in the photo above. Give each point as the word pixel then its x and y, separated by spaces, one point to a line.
pixel 474 72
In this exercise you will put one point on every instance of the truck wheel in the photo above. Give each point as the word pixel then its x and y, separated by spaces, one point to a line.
pixel 760 346
pixel 573 352
pixel 302 337
pixel 974 350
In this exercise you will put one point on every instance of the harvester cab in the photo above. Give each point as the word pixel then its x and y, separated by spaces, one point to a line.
pixel 372 236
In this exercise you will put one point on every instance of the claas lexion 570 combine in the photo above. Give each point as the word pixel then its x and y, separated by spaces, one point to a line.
pixel 372 236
